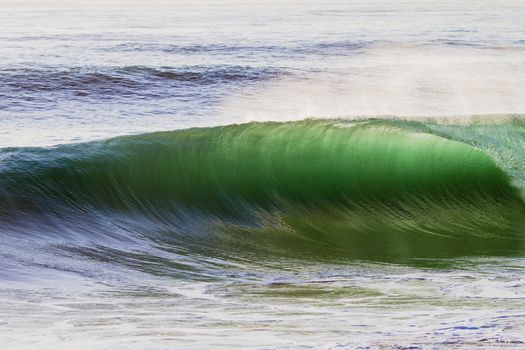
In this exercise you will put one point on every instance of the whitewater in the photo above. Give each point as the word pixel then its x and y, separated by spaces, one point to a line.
pixel 262 175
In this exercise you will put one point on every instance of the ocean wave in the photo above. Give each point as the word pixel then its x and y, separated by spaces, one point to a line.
pixel 289 49
pixel 122 82
pixel 370 189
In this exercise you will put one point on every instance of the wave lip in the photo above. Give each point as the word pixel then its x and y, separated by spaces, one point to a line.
pixel 364 189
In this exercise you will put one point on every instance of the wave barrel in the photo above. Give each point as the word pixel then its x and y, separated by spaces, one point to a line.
pixel 362 189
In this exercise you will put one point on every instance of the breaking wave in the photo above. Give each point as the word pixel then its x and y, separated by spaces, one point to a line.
pixel 367 189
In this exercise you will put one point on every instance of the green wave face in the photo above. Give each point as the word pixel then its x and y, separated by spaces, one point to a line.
pixel 365 189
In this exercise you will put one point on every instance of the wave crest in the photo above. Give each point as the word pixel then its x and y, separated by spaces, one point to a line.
pixel 365 189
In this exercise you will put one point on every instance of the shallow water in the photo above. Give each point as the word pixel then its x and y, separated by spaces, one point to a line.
pixel 325 233
pixel 479 304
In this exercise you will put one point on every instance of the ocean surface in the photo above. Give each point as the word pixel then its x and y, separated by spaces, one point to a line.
pixel 262 174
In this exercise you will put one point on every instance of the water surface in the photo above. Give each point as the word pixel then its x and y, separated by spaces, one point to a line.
pixel 371 195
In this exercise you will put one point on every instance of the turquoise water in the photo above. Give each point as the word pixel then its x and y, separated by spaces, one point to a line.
pixel 262 175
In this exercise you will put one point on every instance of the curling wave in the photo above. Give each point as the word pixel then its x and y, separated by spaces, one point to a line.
pixel 372 189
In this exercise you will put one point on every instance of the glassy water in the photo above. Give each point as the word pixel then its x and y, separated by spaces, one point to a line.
pixel 392 217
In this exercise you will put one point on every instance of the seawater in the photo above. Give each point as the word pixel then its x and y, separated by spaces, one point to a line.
pixel 371 197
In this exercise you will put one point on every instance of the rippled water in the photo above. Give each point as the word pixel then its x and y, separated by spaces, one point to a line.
pixel 102 246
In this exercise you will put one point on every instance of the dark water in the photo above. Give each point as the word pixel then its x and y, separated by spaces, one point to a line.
pixel 229 174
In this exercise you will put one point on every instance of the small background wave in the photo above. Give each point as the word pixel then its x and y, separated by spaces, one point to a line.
pixel 48 87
